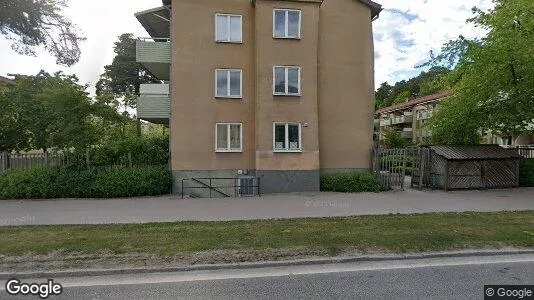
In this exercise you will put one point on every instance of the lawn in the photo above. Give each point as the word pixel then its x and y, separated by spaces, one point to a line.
pixel 391 233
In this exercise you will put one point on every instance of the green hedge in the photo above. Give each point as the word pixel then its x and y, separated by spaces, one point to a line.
pixel 526 172
pixel 354 182
pixel 67 183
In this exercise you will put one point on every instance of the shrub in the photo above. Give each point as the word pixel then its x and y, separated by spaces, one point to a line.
pixel 526 172
pixel 354 182
pixel 150 150
pixel 60 182
pixel 394 140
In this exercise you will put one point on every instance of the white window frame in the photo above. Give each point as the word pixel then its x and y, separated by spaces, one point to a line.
pixel 228 85
pixel 286 33
pixel 228 149
pixel 287 149
pixel 286 93
pixel 229 33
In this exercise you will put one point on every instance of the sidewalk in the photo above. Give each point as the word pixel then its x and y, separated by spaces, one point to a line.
pixel 298 205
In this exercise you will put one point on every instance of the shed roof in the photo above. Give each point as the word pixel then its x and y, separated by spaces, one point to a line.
pixel 478 152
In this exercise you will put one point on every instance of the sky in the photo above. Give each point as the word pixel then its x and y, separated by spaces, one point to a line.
pixel 405 33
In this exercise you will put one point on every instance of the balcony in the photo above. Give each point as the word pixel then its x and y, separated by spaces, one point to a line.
pixel 154 103
pixel 425 133
pixel 402 119
pixel 385 122
pixel 155 56
pixel 406 134
pixel 424 114
pixel 376 123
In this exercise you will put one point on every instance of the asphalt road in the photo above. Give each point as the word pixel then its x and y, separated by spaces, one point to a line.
pixel 444 278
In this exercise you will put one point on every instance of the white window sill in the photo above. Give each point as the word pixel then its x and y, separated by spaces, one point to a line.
pixel 287 151
pixel 229 42
pixel 228 151
pixel 228 97
pixel 287 37
pixel 286 95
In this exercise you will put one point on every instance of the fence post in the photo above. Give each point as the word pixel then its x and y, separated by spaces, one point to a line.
pixel 5 161
pixel 259 188
pixel 404 167
pixel 182 188
pixel 87 161
pixel 130 159
pixel 46 158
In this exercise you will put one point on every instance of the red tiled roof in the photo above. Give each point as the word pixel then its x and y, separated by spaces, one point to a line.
pixel 413 102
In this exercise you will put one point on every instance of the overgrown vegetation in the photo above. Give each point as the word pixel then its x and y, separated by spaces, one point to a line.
pixel 492 78
pixel 394 140
pixel 526 172
pixel 354 182
pixel 61 182
pixel 395 233
pixel 129 151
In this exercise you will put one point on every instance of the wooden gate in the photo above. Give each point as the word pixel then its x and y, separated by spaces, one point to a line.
pixel 389 166
pixel 420 167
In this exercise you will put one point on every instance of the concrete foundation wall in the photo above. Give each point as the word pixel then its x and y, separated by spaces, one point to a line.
pixel 272 182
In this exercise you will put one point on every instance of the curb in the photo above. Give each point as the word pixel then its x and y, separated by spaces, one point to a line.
pixel 253 265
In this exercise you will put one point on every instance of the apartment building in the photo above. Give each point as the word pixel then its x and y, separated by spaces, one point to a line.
pixel 408 119
pixel 276 90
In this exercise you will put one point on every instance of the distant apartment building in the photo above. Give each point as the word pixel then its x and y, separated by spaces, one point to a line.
pixel 409 119
pixel 276 90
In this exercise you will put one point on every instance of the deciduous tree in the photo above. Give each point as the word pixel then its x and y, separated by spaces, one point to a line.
pixel 47 111
pixel 493 77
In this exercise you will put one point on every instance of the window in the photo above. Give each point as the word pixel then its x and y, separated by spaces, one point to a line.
pixel 228 83
pixel 287 137
pixel 228 137
pixel 286 81
pixel 286 23
pixel 228 28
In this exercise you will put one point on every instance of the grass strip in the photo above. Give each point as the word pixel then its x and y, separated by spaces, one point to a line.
pixel 395 233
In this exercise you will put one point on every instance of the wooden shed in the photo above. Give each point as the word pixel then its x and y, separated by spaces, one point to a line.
pixel 473 167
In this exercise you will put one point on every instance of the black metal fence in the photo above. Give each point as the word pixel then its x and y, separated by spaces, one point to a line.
pixel 219 187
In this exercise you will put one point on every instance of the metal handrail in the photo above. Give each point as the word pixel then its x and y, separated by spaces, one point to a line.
pixel 211 187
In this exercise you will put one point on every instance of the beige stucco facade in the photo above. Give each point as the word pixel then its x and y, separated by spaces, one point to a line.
pixel 335 106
